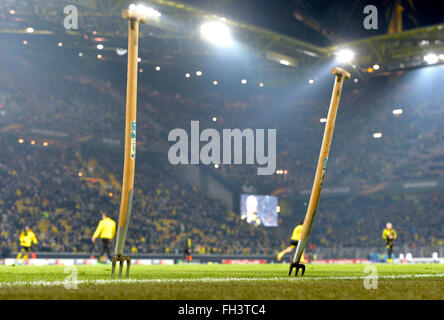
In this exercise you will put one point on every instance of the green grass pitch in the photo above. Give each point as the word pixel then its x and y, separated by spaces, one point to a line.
pixel 237 282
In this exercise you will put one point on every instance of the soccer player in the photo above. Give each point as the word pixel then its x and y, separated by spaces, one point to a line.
pixel 187 251
pixel 27 239
pixel 293 243
pixel 389 234
pixel 106 230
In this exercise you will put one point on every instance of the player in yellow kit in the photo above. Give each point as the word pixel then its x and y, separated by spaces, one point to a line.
pixel 296 235
pixel 27 239
pixel 389 234
pixel 106 230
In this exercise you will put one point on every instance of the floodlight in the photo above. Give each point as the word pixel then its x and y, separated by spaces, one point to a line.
pixel 121 51
pixel 147 11
pixel 431 58
pixel 344 55
pixel 217 33
pixel 377 135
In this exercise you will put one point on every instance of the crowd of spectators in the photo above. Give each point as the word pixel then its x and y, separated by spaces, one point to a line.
pixel 42 187
pixel 61 192
pixel 358 221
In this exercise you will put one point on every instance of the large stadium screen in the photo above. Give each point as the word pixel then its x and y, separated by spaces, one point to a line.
pixel 260 209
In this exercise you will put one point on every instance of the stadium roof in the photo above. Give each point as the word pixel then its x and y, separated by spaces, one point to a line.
pixel 174 37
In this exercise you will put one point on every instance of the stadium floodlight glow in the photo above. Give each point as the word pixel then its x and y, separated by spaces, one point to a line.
pixel 376 66
pixel 216 33
pixel 121 51
pixel 345 56
pixel 146 11
pixel 284 62
pixel 431 58
pixel 397 111
pixel 29 30
pixel 377 135
pixel 100 46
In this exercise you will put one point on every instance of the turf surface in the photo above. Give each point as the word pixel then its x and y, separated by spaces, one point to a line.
pixel 237 282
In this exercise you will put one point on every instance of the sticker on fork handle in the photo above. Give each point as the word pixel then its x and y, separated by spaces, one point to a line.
pixel 133 140
pixel 324 168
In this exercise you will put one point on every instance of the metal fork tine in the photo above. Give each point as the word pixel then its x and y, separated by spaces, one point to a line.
pixel 121 260
pixel 120 268
pixel 128 265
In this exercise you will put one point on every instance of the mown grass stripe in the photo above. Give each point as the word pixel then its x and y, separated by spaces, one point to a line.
pixel 43 283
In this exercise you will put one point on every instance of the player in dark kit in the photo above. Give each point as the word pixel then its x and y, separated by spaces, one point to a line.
pixel 389 234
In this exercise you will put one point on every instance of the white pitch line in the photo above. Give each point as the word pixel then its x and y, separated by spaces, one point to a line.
pixel 138 281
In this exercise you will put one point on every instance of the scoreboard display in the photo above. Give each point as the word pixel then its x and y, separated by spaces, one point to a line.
pixel 260 209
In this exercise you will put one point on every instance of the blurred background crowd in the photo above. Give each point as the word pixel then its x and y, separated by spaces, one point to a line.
pixel 60 189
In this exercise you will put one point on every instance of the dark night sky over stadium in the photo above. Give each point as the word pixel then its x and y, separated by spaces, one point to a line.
pixel 343 18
